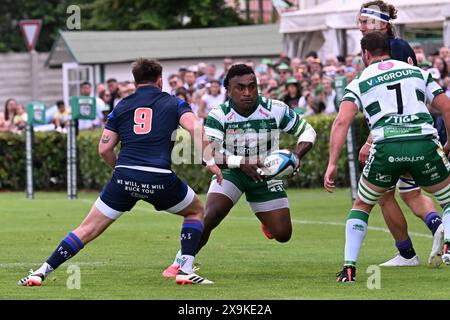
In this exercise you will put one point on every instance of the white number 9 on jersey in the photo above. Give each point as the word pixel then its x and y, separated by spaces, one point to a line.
pixel 142 120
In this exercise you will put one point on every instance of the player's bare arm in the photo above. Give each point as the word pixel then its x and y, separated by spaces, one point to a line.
pixel 364 152
pixel 106 147
pixel 347 112
pixel 302 149
pixel 189 122
pixel 305 142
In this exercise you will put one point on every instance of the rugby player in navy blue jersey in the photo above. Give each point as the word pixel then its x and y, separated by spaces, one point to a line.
pixel 377 16
pixel 143 123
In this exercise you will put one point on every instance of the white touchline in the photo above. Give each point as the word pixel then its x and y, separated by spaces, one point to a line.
pixel 80 263
pixel 340 224
pixel 98 263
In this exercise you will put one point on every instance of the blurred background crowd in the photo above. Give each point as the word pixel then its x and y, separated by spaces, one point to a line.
pixel 306 85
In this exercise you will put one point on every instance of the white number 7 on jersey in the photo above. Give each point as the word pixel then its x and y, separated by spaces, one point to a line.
pixel 142 120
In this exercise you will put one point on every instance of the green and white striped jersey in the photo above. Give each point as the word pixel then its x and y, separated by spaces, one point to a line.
pixel 257 134
pixel 393 97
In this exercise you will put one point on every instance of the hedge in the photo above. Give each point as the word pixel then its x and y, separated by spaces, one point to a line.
pixel 49 158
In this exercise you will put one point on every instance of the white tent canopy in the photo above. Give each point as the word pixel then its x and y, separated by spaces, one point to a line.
pixel 316 28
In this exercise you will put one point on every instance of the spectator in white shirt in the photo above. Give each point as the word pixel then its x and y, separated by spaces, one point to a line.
pixel 328 96
pixel 86 90
pixel 214 97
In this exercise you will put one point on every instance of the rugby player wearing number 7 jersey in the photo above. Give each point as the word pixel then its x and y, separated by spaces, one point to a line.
pixel 377 15
pixel 143 123
pixel 393 96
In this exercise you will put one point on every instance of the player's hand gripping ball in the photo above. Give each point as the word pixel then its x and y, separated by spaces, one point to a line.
pixel 279 165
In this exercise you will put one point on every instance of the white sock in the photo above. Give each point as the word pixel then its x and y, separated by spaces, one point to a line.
pixel 446 223
pixel 355 232
pixel 45 269
pixel 177 260
pixel 186 263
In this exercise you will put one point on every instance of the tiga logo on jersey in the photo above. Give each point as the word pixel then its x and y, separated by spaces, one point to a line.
pixel 401 119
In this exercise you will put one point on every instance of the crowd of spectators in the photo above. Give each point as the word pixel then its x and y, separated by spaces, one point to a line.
pixel 305 85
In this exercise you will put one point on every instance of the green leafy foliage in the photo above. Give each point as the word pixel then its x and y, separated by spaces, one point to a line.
pixel 51 12
pixel 314 164
pixel 157 14
pixel 109 15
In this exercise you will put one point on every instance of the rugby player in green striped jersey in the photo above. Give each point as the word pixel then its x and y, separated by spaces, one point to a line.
pixel 244 130
pixel 392 95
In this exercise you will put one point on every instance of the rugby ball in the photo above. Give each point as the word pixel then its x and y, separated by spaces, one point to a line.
pixel 279 165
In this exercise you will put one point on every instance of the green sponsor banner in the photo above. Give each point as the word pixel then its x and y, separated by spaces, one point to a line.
pixel 36 113
pixel 83 107
pixel 256 125
pixel 388 77
pixel 393 131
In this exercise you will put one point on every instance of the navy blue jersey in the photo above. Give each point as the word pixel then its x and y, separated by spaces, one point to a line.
pixel 145 122
pixel 401 50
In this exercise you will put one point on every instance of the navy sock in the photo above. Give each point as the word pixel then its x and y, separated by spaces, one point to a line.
pixel 405 248
pixel 69 247
pixel 433 221
pixel 191 232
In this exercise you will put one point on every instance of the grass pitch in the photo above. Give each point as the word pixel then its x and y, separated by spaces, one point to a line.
pixel 127 260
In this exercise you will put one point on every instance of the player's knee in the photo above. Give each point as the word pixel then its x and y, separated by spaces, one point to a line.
pixel 211 208
pixel 442 197
pixel 410 196
pixel 382 202
pixel 86 232
pixel 213 215
pixel 195 210
pixel 283 235
pixel 198 206
pixel 387 198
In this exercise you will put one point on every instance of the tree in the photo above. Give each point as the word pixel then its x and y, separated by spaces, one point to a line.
pixel 157 14
pixel 212 13
pixel 109 15
pixel 51 12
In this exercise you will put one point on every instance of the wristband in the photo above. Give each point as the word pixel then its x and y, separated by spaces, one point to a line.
pixel 369 144
pixel 210 162
pixel 308 135
pixel 234 161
